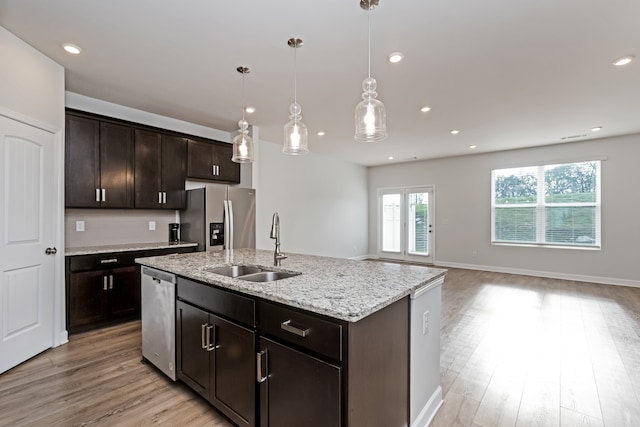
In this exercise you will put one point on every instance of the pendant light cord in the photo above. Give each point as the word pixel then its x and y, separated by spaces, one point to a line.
pixel 369 37
pixel 243 95
pixel 295 74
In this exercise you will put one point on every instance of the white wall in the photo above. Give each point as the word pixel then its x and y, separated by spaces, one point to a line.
pixel 32 91
pixel 322 203
pixel 463 211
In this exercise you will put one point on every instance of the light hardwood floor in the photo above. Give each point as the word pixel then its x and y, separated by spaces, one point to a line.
pixel 516 351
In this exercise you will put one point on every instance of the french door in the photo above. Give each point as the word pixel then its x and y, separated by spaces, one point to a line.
pixel 405 219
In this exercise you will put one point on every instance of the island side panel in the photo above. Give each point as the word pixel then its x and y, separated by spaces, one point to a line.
pixel 378 383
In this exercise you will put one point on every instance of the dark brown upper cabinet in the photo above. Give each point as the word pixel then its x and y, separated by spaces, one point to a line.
pixel 160 170
pixel 211 161
pixel 98 164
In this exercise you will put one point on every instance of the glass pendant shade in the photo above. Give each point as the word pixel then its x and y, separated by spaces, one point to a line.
pixel 243 144
pixel 371 116
pixel 295 133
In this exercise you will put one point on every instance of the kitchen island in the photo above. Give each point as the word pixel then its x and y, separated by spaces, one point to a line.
pixel 329 345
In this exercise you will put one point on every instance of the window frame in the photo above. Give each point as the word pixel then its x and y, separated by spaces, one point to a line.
pixel 541 205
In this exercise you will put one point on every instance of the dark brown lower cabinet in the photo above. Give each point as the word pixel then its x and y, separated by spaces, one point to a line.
pixel 297 389
pixel 217 359
pixel 100 296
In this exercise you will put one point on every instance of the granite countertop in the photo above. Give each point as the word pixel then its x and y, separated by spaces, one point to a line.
pixel 91 250
pixel 340 288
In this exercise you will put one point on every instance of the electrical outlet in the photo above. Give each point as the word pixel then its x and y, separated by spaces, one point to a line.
pixel 152 225
pixel 79 225
pixel 425 323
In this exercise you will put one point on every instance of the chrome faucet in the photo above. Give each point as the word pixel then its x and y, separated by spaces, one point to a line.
pixel 275 234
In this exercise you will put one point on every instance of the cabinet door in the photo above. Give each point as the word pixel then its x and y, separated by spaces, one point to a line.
pixel 148 167
pixel 88 298
pixel 200 159
pixel 82 162
pixel 116 165
pixel 299 390
pixel 124 290
pixel 228 170
pixel 174 169
pixel 233 376
pixel 192 359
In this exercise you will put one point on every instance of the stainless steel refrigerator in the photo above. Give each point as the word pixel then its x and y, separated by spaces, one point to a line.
pixel 219 217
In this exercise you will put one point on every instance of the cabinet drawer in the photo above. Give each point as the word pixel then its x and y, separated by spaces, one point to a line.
pixel 102 261
pixel 303 330
pixel 218 301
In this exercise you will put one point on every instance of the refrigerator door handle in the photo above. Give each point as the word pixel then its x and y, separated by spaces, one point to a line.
pixel 227 226
pixel 231 225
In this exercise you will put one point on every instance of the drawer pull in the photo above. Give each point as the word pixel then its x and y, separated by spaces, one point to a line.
pixel 108 261
pixel 295 329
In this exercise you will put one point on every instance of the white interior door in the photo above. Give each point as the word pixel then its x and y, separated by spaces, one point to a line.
pixel 27 229
pixel 406 224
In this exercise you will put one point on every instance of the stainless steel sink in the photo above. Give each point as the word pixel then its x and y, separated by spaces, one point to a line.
pixel 235 270
pixel 267 276
pixel 250 273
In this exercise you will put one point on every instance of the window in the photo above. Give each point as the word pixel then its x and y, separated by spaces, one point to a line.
pixel 550 205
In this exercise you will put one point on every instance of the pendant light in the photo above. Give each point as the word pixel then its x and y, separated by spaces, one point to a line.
pixel 295 132
pixel 243 143
pixel 371 117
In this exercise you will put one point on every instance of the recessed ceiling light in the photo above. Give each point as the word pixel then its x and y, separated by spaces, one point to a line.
pixel 455 131
pixel 473 146
pixel 250 109
pixel 390 157
pixel 425 109
pixel 71 48
pixel 623 61
pixel 396 57
pixel 596 129
pixel 320 133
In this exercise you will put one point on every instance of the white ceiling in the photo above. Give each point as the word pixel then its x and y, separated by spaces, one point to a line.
pixel 507 73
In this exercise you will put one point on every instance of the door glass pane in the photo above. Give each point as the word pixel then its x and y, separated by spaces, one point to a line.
pixel 391 222
pixel 418 223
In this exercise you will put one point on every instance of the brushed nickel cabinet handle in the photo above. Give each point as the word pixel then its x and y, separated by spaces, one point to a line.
pixel 104 283
pixel 108 261
pixel 159 196
pixel 211 343
pixel 111 281
pixel 260 378
pixel 164 197
pixel 295 329
pixel 203 332
pixel 97 194
pixel 104 195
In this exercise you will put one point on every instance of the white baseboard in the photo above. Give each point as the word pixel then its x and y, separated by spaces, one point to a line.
pixel 61 338
pixel 429 410
pixel 547 274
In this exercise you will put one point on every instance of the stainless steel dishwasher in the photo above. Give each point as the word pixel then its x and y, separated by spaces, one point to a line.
pixel 159 319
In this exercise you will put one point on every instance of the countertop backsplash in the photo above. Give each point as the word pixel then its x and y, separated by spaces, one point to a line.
pixel 117 226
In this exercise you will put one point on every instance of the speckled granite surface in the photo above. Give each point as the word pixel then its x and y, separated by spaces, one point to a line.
pixel 90 250
pixel 339 288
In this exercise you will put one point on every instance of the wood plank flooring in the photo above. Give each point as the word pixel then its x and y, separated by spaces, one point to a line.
pixel 516 351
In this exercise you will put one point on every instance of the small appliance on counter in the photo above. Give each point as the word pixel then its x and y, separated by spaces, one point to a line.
pixel 174 232
pixel 220 217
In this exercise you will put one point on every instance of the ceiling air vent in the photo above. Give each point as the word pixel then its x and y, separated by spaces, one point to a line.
pixel 574 136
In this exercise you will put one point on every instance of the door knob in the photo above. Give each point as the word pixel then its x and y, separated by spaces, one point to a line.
pixel 51 251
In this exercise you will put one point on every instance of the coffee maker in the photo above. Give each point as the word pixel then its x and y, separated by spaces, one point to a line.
pixel 174 232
